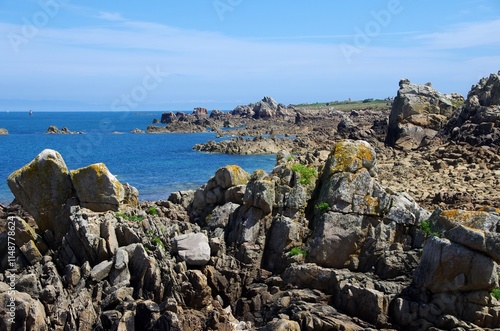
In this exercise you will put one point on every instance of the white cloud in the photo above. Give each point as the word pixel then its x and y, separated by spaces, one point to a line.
pixel 465 35
pixel 110 16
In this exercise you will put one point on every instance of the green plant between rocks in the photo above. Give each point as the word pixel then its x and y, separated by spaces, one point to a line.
pixel 306 173
pixel 496 293
pixel 157 242
pixel 322 207
pixel 152 211
pixel 425 226
pixel 298 251
pixel 132 218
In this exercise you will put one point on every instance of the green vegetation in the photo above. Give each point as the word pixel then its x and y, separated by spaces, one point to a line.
pixel 152 211
pixel 132 218
pixel 298 251
pixel 157 242
pixel 306 173
pixel 496 293
pixel 322 207
pixel 290 158
pixel 426 227
pixel 377 104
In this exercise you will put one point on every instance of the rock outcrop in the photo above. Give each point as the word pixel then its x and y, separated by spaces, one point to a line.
pixel 43 187
pixel 3 132
pixel 316 244
pixel 98 190
pixel 54 130
pixel 418 111
pixel 477 122
pixel 266 108
pixel 47 190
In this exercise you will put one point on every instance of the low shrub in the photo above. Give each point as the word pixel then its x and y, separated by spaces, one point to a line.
pixel 322 207
pixel 297 251
pixel 306 173
pixel 425 226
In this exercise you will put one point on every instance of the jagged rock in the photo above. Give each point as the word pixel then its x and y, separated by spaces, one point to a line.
pixel 42 187
pixel 260 193
pixel 284 235
pixel 446 266
pixel 72 275
pixel 200 111
pixel 353 211
pixel 24 232
pixel 120 274
pixel 220 216
pixel 478 120
pixel 3 132
pixel 97 189
pixel 101 271
pixel 418 111
pixel 31 252
pixel 282 325
pixel 168 117
pixel 193 248
pixel 24 312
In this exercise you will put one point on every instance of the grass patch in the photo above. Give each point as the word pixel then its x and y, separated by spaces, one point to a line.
pixel 322 207
pixel 152 211
pixel 132 218
pixel 496 293
pixel 298 251
pixel 425 226
pixel 157 242
pixel 306 173
pixel 376 104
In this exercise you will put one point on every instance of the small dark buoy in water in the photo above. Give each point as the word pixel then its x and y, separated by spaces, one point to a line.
pixel 31 112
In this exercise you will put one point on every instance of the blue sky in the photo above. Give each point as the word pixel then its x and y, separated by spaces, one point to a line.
pixel 176 55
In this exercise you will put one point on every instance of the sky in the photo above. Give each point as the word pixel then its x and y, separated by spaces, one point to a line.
pixel 217 54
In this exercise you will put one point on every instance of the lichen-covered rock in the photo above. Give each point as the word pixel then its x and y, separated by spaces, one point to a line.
pixel 418 111
pixel 98 190
pixel 351 156
pixel 42 187
pixel 230 176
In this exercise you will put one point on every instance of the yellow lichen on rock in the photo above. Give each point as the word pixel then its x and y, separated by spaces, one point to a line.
pixel 350 156
pixel 470 219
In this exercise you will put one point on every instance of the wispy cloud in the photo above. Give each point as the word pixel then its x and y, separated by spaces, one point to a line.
pixel 465 35
pixel 110 16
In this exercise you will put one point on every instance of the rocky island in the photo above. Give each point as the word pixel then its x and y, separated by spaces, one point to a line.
pixel 386 219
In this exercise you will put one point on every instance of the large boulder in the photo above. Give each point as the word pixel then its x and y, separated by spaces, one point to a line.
pixel 418 111
pixel 21 311
pixel 43 187
pixel 446 266
pixel 98 190
pixel 3 132
pixel 193 248
pixel 478 121
pixel 354 218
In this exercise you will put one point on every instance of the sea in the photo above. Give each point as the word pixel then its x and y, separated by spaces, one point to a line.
pixel 156 164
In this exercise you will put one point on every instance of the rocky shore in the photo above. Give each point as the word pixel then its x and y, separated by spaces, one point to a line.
pixel 371 219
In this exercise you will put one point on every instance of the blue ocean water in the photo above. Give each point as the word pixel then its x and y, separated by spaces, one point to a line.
pixel 156 164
